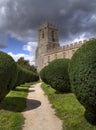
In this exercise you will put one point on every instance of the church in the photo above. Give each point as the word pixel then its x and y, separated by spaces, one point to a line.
pixel 49 48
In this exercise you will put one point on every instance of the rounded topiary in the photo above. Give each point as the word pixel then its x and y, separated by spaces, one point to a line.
pixel 57 75
pixel 8 74
pixel 82 71
pixel 43 75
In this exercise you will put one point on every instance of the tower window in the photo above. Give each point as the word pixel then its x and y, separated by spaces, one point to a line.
pixel 43 34
pixel 53 39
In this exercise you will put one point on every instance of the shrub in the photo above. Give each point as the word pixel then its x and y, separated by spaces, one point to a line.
pixel 43 75
pixel 57 75
pixel 83 75
pixel 20 76
pixel 8 74
pixel 25 76
pixel 31 76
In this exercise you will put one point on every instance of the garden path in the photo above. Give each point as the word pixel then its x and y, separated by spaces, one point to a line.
pixel 39 114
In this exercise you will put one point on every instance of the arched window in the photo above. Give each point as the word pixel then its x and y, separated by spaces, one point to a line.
pixel 53 39
pixel 43 34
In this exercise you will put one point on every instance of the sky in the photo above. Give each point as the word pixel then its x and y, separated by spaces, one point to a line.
pixel 20 19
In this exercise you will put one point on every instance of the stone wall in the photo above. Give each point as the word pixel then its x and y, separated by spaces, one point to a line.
pixel 62 52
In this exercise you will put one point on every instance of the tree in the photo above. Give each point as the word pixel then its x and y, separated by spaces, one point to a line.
pixel 22 62
pixel 25 64
pixel 33 68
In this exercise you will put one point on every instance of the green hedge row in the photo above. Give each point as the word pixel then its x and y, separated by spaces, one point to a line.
pixel 12 75
pixel 8 74
pixel 56 75
pixel 82 71
pixel 24 75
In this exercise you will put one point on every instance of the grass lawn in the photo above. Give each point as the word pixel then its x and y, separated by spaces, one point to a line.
pixel 12 106
pixel 68 109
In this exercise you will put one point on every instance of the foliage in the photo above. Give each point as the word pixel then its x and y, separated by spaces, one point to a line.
pixel 43 75
pixel 8 74
pixel 25 64
pixel 68 109
pixel 11 107
pixel 83 75
pixel 25 76
pixel 21 61
pixel 57 75
pixel 33 68
pixel 90 117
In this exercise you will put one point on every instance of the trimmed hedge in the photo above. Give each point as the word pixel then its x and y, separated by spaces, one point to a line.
pixel 82 71
pixel 43 75
pixel 8 74
pixel 12 75
pixel 57 75
pixel 25 76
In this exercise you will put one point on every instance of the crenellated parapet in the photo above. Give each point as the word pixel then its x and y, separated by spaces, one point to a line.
pixel 47 24
pixel 68 46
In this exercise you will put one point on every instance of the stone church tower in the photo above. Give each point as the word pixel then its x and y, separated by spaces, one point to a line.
pixel 47 40
pixel 49 49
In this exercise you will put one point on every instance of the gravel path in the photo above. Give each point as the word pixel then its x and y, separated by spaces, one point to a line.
pixel 39 115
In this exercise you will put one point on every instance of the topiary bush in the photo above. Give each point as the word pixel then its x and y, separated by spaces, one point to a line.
pixel 24 76
pixel 8 74
pixel 82 71
pixel 57 75
pixel 20 76
pixel 43 75
pixel 31 76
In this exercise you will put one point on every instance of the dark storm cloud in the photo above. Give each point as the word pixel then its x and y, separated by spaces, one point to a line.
pixel 21 18
pixel 3 40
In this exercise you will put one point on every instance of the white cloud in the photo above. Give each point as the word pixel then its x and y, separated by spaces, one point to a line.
pixel 31 58
pixel 30 47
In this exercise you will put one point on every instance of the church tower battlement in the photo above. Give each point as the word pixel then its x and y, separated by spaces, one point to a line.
pixel 48 36
pixel 47 40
